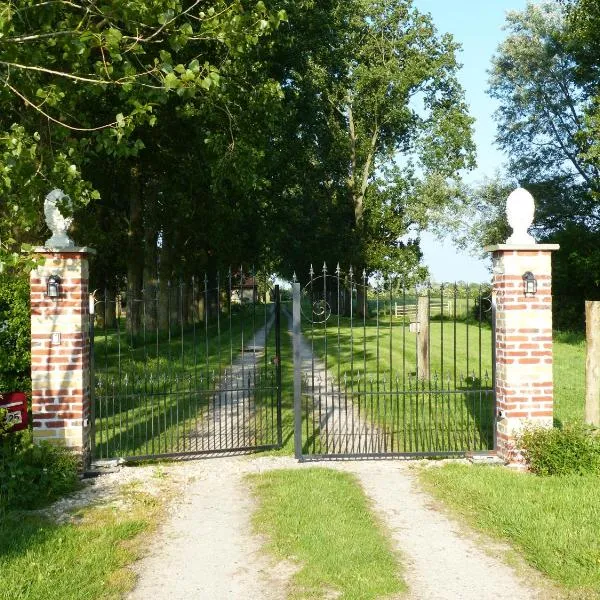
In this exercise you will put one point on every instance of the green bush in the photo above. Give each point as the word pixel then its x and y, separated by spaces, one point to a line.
pixel 15 333
pixel 34 475
pixel 569 450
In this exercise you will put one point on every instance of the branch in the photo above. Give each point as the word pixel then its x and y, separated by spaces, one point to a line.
pixel 36 107
pixel 59 73
pixel 35 36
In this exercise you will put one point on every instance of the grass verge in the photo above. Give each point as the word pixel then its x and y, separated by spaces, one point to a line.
pixel 553 521
pixel 320 519
pixel 85 559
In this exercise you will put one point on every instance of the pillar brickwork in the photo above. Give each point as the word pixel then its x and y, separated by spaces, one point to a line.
pixel 60 349
pixel 524 382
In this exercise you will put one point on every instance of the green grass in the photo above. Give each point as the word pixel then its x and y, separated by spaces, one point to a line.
pixel 321 520
pixel 569 377
pixel 83 560
pixel 153 389
pixel 553 521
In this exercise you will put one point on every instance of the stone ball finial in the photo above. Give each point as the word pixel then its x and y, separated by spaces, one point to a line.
pixel 57 223
pixel 520 208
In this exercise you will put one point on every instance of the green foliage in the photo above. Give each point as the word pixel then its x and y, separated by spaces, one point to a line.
pixel 15 328
pixel 569 450
pixel 33 475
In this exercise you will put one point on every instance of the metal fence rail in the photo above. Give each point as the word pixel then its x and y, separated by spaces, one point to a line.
pixel 187 369
pixel 376 380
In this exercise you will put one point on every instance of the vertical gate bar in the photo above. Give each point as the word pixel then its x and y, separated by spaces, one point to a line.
pixel 417 395
pixel 182 384
pixel 169 385
pixel 468 349
pixel 277 363
pixel 377 370
pixel 106 371
pixel 142 388
pixel 252 398
pixel 441 380
pixel 297 370
pixel 119 308
pixel 326 373
pixel 364 312
pixel 219 366
pixel 194 386
pixel 233 394
pixel 392 400
pixel 454 330
pixel 92 363
pixel 480 420
pixel 351 276
pixel 343 421
pixel 207 377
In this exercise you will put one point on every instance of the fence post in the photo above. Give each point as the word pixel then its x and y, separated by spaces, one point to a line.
pixel 592 363
pixel 297 370
pixel 60 349
pixel 522 292
pixel 423 316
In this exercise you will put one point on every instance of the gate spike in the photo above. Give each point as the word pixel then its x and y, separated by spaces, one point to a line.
pixel 311 272
pixel 324 268
pixel 364 274
pixel 337 270
pixel 350 273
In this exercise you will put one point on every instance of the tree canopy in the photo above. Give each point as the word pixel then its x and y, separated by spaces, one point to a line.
pixel 193 135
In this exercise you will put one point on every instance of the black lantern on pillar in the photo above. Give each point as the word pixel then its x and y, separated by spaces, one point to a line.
pixel 529 284
pixel 53 287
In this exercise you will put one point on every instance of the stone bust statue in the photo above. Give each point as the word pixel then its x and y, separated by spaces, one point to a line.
pixel 520 209
pixel 57 224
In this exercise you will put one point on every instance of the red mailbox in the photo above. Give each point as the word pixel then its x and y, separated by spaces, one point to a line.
pixel 15 404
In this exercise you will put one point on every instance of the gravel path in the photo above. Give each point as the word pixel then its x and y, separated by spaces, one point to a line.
pixel 233 419
pixel 337 423
pixel 206 549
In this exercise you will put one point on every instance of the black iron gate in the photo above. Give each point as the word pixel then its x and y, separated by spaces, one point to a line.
pixel 382 369
pixel 186 369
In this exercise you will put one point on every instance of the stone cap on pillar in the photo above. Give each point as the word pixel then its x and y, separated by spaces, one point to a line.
pixel 64 250
pixel 520 209
pixel 522 247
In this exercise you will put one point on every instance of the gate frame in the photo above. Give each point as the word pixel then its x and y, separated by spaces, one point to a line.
pixel 298 416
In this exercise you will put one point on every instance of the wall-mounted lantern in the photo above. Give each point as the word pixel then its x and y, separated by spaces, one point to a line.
pixel 529 284
pixel 53 287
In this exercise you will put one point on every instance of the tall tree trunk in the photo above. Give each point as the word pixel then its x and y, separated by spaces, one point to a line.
pixel 150 315
pixel 165 295
pixel 135 254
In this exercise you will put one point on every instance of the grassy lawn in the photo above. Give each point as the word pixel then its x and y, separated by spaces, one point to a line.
pixel 554 521
pixel 82 560
pixel 321 520
pixel 569 377
pixel 153 390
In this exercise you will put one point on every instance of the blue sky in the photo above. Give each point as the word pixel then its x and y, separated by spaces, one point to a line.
pixel 477 26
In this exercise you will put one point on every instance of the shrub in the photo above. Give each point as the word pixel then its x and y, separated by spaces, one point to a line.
pixel 569 450
pixel 33 475
pixel 15 333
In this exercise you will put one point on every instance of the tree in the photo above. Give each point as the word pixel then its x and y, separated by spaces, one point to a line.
pixel 546 127
pixel 83 80
pixel 374 115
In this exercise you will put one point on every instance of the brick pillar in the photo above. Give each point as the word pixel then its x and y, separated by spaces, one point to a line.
pixel 524 384
pixel 60 346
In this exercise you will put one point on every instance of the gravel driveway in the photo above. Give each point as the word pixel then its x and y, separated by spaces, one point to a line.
pixel 206 550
